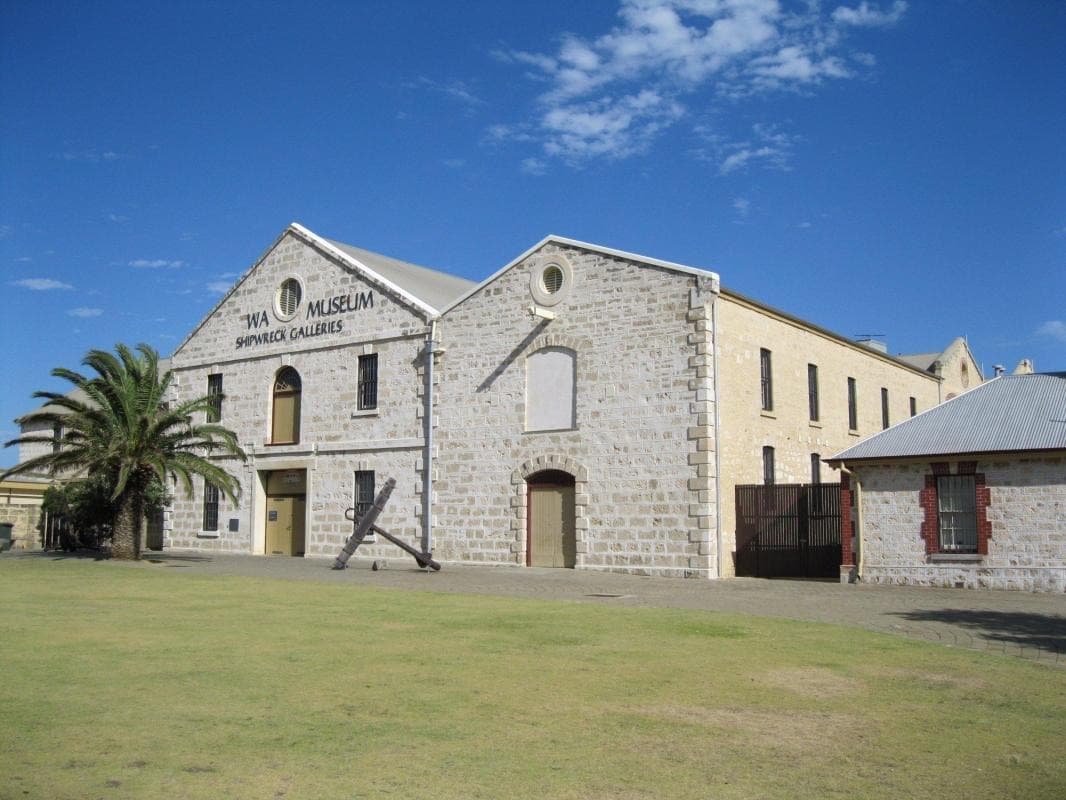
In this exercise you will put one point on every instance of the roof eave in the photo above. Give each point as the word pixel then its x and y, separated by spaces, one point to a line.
pixel 608 251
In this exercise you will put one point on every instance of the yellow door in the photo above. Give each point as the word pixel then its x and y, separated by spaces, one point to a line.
pixel 285 526
pixel 552 542
pixel 279 526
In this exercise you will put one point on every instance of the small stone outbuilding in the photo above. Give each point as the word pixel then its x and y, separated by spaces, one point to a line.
pixel 971 493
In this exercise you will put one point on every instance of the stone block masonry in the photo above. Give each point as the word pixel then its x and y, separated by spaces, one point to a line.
pixel 641 446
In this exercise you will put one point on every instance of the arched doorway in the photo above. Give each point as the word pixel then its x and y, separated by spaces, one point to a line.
pixel 551 535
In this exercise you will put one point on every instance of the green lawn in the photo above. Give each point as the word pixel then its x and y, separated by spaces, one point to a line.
pixel 140 682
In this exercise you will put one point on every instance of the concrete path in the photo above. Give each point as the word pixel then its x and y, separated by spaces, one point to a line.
pixel 1029 626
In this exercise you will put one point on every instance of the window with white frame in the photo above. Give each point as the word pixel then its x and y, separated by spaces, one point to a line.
pixel 957 513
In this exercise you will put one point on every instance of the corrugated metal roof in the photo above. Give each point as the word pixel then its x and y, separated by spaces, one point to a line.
pixel 436 288
pixel 1007 414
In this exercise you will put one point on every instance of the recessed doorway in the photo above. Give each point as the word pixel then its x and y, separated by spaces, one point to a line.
pixel 552 534
pixel 286 511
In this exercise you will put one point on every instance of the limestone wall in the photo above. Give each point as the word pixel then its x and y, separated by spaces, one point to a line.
pixel 744 329
pixel 336 437
pixel 641 450
pixel 1027 512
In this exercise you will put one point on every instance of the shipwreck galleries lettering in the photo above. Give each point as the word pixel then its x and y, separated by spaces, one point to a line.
pixel 317 321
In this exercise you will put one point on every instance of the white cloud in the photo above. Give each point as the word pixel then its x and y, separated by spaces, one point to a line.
pixel 155 263
pixel 866 16
pixel 41 284
pixel 533 166
pixel 742 206
pixel 608 127
pixel 1056 329
pixel 768 147
pixel 118 218
pixel 85 313
pixel 611 95
pixel 454 163
pixel 23 259
pixel 219 287
pixel 90 155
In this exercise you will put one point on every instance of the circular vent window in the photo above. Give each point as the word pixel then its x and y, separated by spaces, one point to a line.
pixel 288 298
pixel 550 281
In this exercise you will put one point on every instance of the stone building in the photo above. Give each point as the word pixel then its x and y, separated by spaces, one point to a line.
pixel 955 366
pixel 584 407
pixel 971 493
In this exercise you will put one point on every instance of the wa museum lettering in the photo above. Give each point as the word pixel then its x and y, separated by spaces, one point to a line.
pixel 317 320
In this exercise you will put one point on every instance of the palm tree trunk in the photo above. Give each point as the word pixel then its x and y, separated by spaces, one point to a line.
pixel 126 532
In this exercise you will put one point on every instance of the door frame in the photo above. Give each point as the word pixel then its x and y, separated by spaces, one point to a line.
pixel 548 479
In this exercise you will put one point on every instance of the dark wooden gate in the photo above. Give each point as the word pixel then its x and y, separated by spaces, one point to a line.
pixel 788 530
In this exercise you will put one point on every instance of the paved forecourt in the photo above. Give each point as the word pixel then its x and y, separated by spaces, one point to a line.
pixel 1029 626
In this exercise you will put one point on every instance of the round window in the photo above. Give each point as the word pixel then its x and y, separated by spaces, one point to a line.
pixel 288 298
pixel 552 279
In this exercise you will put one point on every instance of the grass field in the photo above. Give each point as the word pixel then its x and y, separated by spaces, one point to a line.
pixel 131 682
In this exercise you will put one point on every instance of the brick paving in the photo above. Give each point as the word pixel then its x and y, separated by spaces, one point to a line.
pixel 1020 624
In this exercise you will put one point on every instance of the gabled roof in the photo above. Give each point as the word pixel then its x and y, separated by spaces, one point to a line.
pixel 919 360
pixel 436 288
pixel 925 361
pixel 596 248
pixel 421 287
pixel 1009 414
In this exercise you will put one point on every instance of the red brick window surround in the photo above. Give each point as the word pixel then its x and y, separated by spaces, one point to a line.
pixel 930 501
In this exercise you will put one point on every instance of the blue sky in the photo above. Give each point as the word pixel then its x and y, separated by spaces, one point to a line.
pixel 876 167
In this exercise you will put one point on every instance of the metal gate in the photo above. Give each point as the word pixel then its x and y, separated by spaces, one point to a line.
pixel 788 530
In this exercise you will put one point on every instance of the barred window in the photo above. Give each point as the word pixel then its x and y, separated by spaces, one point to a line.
pixel 214 391
pixel 210 507
pixel 914 406
pixel 368 381
pixel 957 507
pixel 766 380
pixel 768 466
pixel 884 407
pixel 816 468
pixel 364 492
pixel 57 437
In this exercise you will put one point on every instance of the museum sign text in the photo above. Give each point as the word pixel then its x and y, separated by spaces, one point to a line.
pixel 317 320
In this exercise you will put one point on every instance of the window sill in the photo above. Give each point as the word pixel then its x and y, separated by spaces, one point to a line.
pixel 815 424
pixel 956 558
pixel 365 412
pixel 279 444
pixel 207 535
pixel 853 432
pixel 550 430
pixel 768 414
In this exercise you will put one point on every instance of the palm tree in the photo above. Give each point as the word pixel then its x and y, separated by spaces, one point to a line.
pixel 121 426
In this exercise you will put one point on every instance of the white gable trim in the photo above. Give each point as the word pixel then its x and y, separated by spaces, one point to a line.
pixel 607 251
pixel 319 243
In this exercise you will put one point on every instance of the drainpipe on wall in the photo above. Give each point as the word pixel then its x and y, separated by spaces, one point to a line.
pixel 427 483
pixel 717 440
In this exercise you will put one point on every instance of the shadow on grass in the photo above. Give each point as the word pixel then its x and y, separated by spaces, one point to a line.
pixel 1044 632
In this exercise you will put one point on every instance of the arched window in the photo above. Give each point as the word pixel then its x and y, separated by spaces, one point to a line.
pixel 286 420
